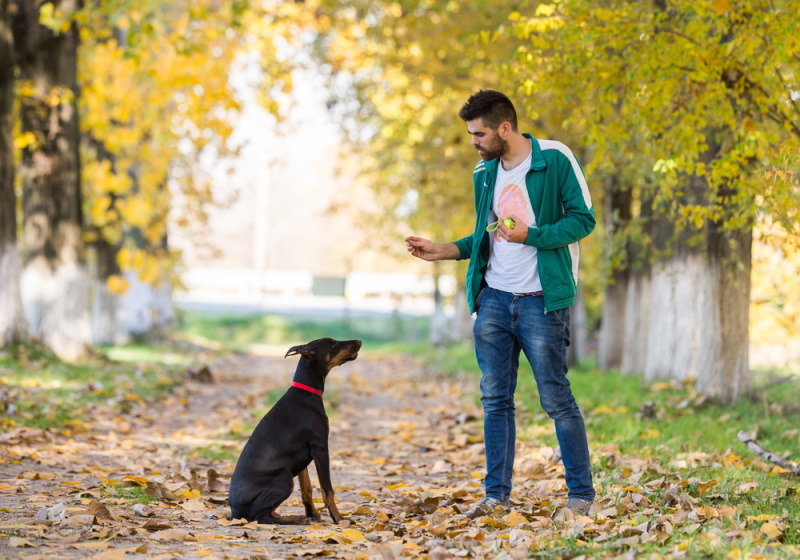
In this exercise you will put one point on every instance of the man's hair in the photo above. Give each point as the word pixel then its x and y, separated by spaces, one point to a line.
pixel 491 106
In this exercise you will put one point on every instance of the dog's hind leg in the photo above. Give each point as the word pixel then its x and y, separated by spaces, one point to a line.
pixel 305 493
pixel 274 518
pixel 270 498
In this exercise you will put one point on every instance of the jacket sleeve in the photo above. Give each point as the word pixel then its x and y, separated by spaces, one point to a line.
pixel 578 219
pixel 464 247
pixel 465 244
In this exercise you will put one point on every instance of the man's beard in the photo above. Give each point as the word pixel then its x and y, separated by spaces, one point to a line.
pixel 496 149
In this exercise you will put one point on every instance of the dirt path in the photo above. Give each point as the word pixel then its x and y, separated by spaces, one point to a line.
pixel 406 458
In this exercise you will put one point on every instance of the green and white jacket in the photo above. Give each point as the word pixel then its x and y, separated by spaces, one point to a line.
pixel 563 209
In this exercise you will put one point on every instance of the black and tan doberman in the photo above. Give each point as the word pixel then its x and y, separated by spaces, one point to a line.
pixel 292 434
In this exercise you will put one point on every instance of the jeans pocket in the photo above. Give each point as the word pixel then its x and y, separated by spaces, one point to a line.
pixel 478 299
pixel 562 316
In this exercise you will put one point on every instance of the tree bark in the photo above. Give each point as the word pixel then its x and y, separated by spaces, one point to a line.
pixel 13 328
pixel 55 285
pixel 611 342
pixel 724 370
pixel 637 322
pixel 578 348
pixel 106 325
pixel 678 285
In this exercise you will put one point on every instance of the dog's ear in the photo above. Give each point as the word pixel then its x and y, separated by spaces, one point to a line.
pixel 302 349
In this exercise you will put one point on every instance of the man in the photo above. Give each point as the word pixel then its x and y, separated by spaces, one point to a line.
pixel 521 282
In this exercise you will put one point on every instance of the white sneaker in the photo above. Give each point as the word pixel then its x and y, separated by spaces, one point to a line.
pixel 579 506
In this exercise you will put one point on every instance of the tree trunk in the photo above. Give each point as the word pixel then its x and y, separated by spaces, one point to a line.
pixel 611 342
pixel 106 326
pixel 724 369
pixel 578 348
pixel 54 280
pixel 700 302
pixel 12 320
pixel 637 322
pixel 677 291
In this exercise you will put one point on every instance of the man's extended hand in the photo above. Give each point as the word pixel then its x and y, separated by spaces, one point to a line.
pixel 429 251
pixel 517 235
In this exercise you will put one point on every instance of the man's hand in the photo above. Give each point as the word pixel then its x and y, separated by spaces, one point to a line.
pixel 517 235
pixel 429 251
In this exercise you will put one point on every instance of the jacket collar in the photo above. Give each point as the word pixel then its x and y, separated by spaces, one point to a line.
pixel 537 160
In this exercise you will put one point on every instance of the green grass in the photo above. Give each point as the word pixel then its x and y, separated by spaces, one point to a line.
pixel 39 390
pixel 686 439
pixel 655 417
pixel 236 332
pixel 131 494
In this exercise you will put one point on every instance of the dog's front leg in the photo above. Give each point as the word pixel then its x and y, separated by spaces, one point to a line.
pixel 322 463
pixel 305 494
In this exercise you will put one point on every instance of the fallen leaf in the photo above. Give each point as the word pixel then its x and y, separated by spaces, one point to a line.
pixel 762 517
pixel 100 511
pixel 214 482
pixel 17 542
pixel 193 505
pixel 515 519
pixel 173 535
pixel 771 530
pixel 153 525
pixel 80 521
pixel 91 546
pixel 779 470
pixel 114 554
pixel 353 535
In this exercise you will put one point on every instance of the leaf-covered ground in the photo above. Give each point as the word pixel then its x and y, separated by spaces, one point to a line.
pixel 407 459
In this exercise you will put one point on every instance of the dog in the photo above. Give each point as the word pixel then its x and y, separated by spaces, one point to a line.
pixel 292 434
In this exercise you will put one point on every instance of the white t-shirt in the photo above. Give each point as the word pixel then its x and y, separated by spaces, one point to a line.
pixel 513 267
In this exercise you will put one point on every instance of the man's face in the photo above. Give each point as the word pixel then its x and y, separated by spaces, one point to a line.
pixel 488 142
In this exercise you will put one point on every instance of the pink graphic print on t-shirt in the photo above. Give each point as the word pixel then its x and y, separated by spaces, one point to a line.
pixel 510 202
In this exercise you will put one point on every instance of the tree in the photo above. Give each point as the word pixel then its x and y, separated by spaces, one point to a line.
pixel 55 284
pixel 12 320
pixel 400 73
pixel 704 91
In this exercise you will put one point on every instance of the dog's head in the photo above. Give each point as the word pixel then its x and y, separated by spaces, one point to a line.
pixel 327 352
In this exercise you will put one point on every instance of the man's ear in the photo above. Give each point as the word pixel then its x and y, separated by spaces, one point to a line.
pixel 504 130
pixel 302 349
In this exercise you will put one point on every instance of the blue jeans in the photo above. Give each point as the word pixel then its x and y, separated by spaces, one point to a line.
pixel 505 325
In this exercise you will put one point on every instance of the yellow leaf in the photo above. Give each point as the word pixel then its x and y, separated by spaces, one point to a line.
pixel 117 284
pixel 192 494
pixel 515 519
pixel 722 6
pixel 353 535
pixel 603 409
pixel 771 530
pixel 762 517
pixel 778 470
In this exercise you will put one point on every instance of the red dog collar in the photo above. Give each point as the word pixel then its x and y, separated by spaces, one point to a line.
pixel 306 388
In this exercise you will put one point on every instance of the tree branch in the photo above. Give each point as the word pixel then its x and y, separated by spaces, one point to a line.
pixel 768 455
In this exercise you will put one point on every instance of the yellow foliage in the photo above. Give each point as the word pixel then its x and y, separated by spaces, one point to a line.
pixel 117 284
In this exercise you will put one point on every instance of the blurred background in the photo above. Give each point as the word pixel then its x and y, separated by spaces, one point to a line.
pixel 194 166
